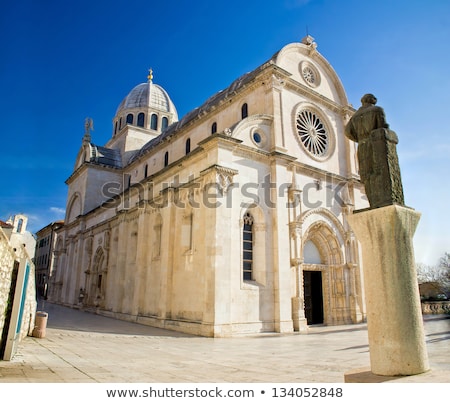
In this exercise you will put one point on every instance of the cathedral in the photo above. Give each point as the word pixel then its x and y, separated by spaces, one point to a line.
pixel 230 220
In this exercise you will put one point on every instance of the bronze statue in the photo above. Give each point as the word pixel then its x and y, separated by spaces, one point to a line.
pixel 377 155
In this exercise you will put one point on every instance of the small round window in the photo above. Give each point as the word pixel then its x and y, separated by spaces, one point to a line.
pixel 310 74
pixel 257 137
pixel 312 133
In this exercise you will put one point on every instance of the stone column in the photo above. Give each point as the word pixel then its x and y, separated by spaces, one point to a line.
pixel 394 316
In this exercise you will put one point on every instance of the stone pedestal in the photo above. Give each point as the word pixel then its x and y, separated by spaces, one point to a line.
pixel 394 316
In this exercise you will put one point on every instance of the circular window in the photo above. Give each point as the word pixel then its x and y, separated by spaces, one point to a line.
pixel 312 133
pixel 257 137
pixel 310 74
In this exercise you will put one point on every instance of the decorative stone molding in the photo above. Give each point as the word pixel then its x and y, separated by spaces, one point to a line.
pixel 325 214
pixel 295 229
pixel 219 175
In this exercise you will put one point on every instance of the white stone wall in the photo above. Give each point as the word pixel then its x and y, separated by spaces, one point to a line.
pixel 7 258
pixel 148 259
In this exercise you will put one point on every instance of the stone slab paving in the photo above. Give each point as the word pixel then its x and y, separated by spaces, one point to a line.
pixel 84 347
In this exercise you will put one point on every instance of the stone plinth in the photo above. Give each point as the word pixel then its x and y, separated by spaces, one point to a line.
pixel 394 317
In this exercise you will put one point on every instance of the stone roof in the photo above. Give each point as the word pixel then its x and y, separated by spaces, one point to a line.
pixel 105 156
pixel 204 108
pixel 4 224
pixel 147 95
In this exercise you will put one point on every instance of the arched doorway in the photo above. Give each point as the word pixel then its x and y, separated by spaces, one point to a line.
pixel 326 280
pixel 312 284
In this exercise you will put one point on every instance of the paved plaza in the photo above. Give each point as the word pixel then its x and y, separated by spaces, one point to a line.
pixel 84 347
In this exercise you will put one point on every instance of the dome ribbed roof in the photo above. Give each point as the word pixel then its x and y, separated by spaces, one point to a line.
pixel 148 95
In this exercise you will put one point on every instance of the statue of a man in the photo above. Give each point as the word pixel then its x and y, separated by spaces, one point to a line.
pixel 377 155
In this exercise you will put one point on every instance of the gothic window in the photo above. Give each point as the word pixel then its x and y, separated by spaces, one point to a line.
pixel 141 119
pixel 188 146
pixel 244 111
pixel 115 127
pixel 164 123
pixel 247 247
pixel 154 122
pixel 130 119
pixel 214 128
pixel 166 158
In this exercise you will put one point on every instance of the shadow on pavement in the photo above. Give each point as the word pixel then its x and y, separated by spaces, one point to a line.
pixel 64 318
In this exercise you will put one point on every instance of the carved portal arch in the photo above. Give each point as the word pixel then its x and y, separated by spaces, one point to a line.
pixel 309 217
pixel 325 240
pixel 327 283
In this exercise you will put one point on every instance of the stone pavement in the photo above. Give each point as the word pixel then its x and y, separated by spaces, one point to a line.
pixel 84 347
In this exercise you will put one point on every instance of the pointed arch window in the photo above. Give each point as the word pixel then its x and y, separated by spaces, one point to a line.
pixel 141 119
pixel 130 119
pixel 247 247
pixel 115 127
pixel 244 111
pixel 214 128
pixel 154 122
pixel 188 146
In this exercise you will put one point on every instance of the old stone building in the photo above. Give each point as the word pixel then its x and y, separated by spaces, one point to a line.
pixel 43 257
pixel 17 284
pixel 229 220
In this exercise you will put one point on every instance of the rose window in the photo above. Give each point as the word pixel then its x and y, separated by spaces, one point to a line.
pixel 309 76
pixel 313 133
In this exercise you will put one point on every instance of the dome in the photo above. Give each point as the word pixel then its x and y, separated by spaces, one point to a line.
pixel 148 95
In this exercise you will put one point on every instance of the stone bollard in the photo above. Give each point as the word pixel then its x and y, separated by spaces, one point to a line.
pixel 394 314
pixel 40 324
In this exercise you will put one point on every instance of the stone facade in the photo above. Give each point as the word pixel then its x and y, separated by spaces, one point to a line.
pixel 43 257
pixel 231 220
pixel 13 250
pixel 7 257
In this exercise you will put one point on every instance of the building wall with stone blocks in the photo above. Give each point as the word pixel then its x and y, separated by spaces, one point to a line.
pixel 232 219
pixel 9 255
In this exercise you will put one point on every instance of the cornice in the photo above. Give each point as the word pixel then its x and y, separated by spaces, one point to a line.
pixel 320 99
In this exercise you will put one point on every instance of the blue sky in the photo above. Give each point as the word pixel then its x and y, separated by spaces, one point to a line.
pixel 63 61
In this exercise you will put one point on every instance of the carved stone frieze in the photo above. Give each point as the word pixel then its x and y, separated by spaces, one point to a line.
pixel 221 176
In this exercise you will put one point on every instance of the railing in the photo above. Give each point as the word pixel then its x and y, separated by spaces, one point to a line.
pixel 435 307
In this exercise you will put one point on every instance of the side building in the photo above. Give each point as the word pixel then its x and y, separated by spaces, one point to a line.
pixel 232 219
pixel 44 256
pixel 17 315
